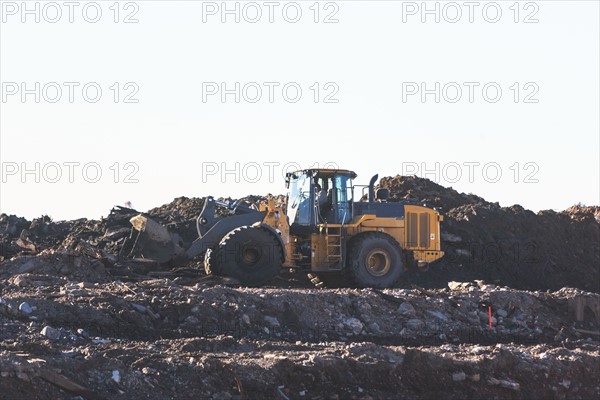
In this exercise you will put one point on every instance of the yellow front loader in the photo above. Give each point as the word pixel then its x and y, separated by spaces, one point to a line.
pixel 322 230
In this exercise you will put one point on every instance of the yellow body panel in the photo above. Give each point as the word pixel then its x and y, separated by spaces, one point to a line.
pixel 319 261
pixel 277 219
pixel 418 233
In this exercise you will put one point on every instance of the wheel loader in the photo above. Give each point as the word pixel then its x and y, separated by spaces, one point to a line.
pixel 322 230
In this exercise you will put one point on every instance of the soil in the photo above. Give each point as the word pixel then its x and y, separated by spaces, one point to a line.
pixel 511 311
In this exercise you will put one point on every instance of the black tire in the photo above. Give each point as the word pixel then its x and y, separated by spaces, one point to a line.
pixel 375 260
pixel 249 254
pixel 208 267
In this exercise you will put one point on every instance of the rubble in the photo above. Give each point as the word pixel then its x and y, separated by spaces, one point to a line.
pixel 201 331
pixel 482 241
pixel 459 376
pixel 507 245
pixel 407 309
pixel 25 308
pixel 50 333
pixel 81 321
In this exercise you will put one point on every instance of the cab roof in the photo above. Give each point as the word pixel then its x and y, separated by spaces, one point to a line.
pixel 327 171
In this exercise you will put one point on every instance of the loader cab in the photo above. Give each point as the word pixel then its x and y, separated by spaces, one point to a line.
pixel 318 196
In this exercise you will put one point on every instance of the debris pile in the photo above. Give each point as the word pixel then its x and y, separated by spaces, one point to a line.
pixel 425 191
pixel 157 339
pixel 179 216
pixel 504 245
pixel 80 321
pixel 508 245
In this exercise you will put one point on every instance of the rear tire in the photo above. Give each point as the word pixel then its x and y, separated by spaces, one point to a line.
pixel 375 260
pixel 249 254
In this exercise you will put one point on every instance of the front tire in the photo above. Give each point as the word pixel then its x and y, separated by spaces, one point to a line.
pixel 249 254
pixel 375 260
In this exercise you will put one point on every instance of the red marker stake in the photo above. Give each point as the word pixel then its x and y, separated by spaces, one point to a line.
pixel 490 315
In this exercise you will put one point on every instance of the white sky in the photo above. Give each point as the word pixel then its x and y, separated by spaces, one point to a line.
pixel 371 55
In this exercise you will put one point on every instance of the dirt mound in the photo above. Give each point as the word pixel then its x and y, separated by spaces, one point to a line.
pixel 73 266
pixel 583 213
pixel 19 236
pixel 508 245
pixel 157 339
pixel 224 368
pixel 424 191
pixel 179 216
pixel 79 322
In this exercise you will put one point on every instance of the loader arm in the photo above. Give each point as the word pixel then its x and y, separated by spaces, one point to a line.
pixel 212 226
pixel 150 240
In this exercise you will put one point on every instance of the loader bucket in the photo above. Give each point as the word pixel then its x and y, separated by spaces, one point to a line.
pixel 154 241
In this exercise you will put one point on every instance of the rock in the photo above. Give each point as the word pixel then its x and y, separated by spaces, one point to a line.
pixel 453 285
pixel 415 324
pixel 483 316
pixel 138 307
pixel 479 350
pixel 326 361
pixel 25 308
pixel 483 286
pixel 246 319
pixel 565 383
pixel 407 309
pixel 502 313
pixel 354 324
pixel 151 313
pixel 116 376
pixel 374 327
pixel 83 333
pixel 272 320
pixel 505 383
pixel 22 376
pixel 222 396
pixel 21 280
pixel 493 381
pixel 28 266
pixel 438 315
pixel 50 333
pixel 459 376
